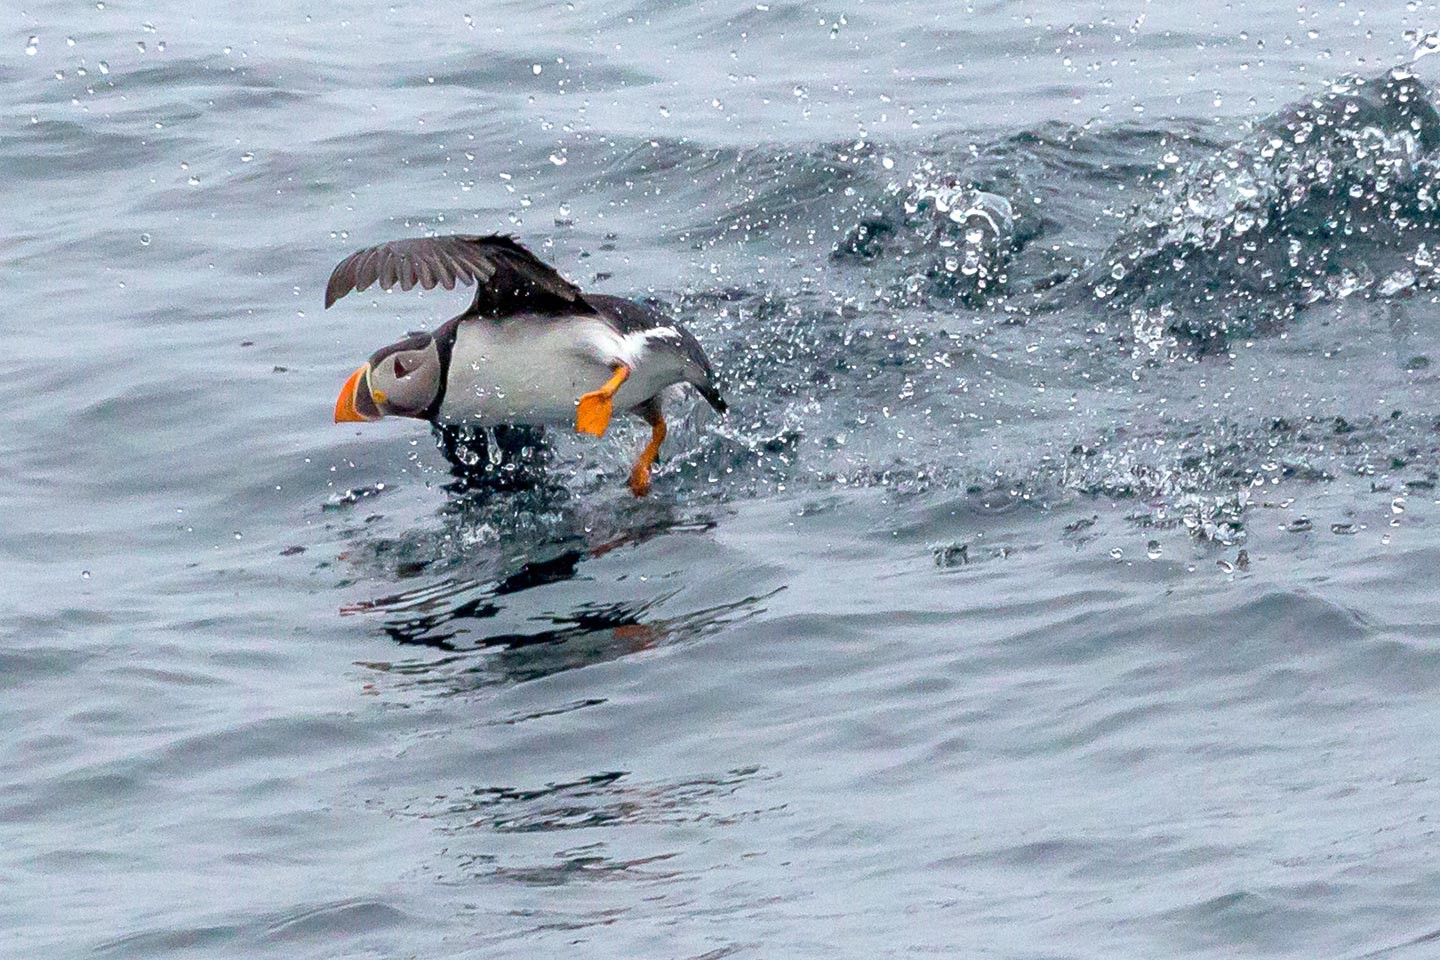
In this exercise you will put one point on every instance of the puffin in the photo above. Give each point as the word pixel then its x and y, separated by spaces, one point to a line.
pixel 531 350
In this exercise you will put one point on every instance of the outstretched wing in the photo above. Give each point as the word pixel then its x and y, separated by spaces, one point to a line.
pixel 509 279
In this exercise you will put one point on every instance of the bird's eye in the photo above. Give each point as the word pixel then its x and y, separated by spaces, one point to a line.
pixel 400 369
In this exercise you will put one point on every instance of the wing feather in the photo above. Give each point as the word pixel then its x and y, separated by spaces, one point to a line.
pixel 368 269
pixel 445 274
pixel 385 269
pixel 509 279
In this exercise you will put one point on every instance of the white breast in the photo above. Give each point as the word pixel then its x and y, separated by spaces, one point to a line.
pixel 533 370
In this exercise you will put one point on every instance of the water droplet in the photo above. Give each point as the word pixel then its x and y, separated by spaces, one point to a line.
pixel 1424 44
pixel 104 67
pixel 246 157
pixel 31 46
pixel 535 68
pixel 1152 549
pixel 1298 525
pixel 144 239
pixel 1116 553
pixel 557 159
pixel 84 574
pixel 140 45
pixel 194 181
pixel 1397 506
pixel 1344 529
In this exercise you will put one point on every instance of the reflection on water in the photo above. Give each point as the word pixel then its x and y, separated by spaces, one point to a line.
pixel 504 629
pixel 601 801
pixel 592 633
pixel 607 799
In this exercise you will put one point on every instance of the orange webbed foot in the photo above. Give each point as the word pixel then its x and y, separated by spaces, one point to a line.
pixel 592 413
pixel 640 480
pixel 640 476
pixel 592 416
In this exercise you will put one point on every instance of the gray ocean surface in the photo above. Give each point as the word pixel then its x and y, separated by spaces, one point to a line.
pixel 1091 616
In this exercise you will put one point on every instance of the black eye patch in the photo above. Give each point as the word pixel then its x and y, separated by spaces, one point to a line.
pixel 400 368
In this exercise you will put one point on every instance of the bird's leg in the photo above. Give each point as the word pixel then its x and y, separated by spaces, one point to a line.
pixel 592 414
pixel 640 476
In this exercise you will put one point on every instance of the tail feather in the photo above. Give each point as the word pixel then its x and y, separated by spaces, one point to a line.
pixel 712 397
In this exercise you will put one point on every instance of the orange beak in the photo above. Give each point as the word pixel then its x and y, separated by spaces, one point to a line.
pixel 346 410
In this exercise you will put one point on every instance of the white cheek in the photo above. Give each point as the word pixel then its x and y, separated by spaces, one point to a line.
pixel 410 391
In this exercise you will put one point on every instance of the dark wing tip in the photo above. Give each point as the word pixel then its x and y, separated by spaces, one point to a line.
pixel 349 274
pixel 336 288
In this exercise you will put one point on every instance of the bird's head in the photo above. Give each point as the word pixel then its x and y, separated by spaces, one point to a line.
pixel 404 379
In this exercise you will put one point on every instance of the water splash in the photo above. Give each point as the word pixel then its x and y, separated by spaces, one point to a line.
pixel 1326 199
pixel 961 236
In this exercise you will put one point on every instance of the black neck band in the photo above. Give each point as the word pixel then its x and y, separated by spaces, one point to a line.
pixel 444 346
